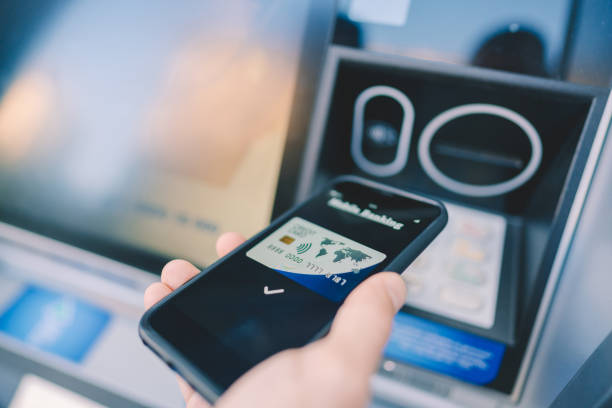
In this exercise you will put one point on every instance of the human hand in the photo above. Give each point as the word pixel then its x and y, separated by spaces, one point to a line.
pixel 333 371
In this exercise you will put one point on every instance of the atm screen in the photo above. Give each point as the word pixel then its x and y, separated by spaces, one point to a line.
pixel 143 128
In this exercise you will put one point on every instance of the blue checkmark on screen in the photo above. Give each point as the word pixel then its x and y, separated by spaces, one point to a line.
pixel 54 322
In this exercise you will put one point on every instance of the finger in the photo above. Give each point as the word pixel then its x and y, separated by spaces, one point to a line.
pixel 154 293
pixel 227 242
pixel 177 272
pixel 363 323
pixel 196 401
pixel 185 388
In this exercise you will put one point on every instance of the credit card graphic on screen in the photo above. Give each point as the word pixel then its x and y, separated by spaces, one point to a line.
pixel 317 258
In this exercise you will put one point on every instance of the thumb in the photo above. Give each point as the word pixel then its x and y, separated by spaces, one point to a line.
pixel 363 323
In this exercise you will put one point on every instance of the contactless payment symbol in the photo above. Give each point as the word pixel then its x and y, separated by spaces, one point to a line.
pixel 300 249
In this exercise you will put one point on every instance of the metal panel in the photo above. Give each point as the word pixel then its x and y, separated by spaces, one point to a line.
pixel 580 316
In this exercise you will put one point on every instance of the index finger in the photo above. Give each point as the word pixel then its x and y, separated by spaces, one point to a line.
pixel 177 272
pixel 228 242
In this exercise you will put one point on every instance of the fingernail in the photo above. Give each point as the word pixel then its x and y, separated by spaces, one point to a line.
pixel 396 288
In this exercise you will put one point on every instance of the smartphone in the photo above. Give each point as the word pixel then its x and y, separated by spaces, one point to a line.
pixel 282 288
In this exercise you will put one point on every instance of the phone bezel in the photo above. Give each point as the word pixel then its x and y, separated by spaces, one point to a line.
pixel 177 361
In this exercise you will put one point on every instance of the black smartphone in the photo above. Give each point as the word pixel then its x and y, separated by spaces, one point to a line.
pixel 282 288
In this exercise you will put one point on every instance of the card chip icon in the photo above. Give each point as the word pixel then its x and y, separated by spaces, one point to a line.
pixel 286 239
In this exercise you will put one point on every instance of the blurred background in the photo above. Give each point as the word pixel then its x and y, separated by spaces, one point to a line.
pixel 135 132
pixel 137 122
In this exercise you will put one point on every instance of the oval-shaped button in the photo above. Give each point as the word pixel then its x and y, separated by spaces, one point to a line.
pixel 405 134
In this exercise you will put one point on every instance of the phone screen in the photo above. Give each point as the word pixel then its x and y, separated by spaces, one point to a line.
pixel 283 288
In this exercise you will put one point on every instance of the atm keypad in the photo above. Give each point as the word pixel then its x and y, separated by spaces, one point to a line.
pixel 457 276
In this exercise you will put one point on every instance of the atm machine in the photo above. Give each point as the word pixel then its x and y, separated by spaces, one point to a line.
pixel 499 113
pixel 502 112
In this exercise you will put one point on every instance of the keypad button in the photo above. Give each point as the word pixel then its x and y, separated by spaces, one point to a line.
pixel 414 283
pixel 421 263
pixel 468 273
pixel 469 250
pixel 474 230
pixel 458 297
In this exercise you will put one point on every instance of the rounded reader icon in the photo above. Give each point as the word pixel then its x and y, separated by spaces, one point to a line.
pixel 405 134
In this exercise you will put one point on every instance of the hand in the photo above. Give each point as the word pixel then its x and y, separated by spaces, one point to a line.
pixel 333 371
